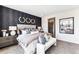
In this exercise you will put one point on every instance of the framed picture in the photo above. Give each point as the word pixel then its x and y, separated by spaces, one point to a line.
pixel 66 25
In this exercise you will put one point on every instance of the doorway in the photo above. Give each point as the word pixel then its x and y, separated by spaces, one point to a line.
pixel 51 26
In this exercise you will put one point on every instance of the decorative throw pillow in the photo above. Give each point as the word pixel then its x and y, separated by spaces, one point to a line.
pixel 42 39
pixel 28 31
pixel 23 31
pixel 46 36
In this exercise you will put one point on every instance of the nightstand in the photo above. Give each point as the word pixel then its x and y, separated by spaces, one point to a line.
pixel 7 41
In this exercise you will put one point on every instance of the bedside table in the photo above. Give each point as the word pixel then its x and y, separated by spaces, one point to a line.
pixel 7 41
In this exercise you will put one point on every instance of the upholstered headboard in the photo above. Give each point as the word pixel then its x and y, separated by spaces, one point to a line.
pixel 23 26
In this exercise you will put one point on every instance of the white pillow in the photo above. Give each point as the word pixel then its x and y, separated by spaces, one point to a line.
pixel 23 31
pixel 33 32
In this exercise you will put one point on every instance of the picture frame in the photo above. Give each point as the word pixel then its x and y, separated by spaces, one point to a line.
pixel 66 25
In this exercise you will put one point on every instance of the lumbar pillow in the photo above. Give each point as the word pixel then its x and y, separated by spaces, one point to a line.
pixel 33 32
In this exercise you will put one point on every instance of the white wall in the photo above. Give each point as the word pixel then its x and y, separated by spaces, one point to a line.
pixel 74 38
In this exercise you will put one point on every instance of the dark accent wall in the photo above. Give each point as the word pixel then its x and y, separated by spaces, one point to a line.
pixel 0 21
pixel 9 17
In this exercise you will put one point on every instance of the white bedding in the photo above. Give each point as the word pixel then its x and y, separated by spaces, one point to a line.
pixel 26 39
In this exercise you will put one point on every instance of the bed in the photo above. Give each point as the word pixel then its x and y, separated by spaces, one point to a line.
pixel 28 41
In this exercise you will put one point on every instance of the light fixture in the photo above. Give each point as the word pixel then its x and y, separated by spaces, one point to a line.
pixel 39 28
pixel 12 29
pixel 4 32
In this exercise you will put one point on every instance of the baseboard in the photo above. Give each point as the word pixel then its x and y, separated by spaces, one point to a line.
pixel 67 41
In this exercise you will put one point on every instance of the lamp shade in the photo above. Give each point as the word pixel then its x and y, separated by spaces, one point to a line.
pixel 39 28
pixel 12 28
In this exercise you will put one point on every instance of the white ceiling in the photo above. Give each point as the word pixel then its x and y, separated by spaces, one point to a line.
pixel 42 10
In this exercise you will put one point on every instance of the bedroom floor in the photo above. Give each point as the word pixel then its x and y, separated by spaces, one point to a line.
pixel 16 49
pixel 64 48
pixel 61 48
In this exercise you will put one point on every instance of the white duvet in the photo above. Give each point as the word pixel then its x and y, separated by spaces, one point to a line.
pixel 26 39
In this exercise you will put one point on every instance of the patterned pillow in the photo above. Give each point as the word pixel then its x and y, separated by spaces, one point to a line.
pixel 42 39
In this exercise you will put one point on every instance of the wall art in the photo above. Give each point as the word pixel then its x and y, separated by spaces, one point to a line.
pixel 66 25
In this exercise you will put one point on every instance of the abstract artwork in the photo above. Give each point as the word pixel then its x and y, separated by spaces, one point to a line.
pixel 66 25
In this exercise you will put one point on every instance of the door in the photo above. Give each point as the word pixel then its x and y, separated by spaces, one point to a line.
pixel 51 26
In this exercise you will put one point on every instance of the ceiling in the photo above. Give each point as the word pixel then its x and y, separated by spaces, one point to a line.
pixel 42 10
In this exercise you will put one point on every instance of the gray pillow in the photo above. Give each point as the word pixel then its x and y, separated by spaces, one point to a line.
pixel 42 40
pixel 28 32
